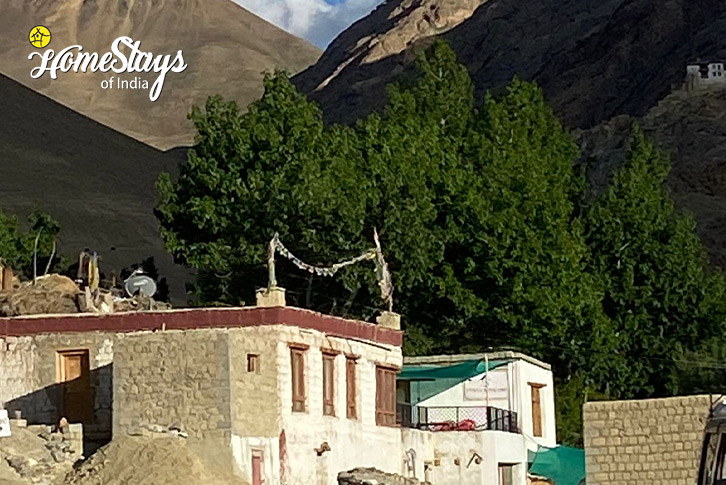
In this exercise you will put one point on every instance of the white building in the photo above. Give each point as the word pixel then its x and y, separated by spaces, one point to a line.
pixel 505 400
pixel 704 75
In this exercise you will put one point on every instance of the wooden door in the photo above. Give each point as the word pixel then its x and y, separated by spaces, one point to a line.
pixel 74 377
pixel 257 468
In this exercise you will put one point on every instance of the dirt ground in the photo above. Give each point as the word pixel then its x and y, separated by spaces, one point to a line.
pixel 147 461
pixel 26 458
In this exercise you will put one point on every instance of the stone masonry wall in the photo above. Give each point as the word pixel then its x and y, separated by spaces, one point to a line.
pixel 17 361
pixel 173 378
pixel 655 441
pixel 255 400
pixel 28 381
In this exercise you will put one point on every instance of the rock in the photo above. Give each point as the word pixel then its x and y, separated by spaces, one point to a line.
pixel 137 431
pixel 588 55
pixel 175 426
pixel 19 464
pixel 371 476
pixel 156 428
pixel 58 455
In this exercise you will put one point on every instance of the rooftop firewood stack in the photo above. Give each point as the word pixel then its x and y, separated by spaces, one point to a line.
pixel 58 294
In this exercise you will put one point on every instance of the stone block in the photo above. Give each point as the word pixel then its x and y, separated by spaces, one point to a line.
pixel 389 320
pixel 271 297
pixel 18 423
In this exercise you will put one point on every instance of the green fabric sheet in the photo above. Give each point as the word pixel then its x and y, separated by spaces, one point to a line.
pixel 429 381
pixel 561 465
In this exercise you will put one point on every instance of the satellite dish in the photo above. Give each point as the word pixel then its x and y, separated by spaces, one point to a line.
pixel 140 284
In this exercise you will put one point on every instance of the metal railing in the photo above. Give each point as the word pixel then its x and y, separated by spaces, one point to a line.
pixel 457 418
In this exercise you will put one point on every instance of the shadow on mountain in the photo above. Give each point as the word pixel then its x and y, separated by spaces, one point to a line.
pixel 97 182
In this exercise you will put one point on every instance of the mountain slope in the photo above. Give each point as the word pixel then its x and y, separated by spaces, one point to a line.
pixel 98 183
pixel 225 47
pixel 595 59
pixel 691 127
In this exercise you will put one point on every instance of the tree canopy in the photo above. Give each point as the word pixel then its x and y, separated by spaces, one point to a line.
pixel 658 292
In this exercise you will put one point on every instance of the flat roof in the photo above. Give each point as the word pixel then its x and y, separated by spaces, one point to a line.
pixel 198 318
pixel 459 358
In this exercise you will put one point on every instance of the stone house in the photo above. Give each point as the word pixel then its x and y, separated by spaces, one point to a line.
pixel 277 394
pixel 285 393
pixel 704 75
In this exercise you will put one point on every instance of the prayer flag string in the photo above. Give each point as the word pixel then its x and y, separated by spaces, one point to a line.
pixel 373 254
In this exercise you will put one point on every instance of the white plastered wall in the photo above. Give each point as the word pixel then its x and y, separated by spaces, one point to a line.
pixel 522 375
pixel 353 442
pixel 517 376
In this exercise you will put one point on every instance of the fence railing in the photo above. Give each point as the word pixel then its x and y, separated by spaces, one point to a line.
pixel 457 418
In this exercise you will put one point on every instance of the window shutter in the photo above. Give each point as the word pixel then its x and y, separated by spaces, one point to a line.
pixel 385 396
pixel 297 359
pixel 351 398
pixel 328 385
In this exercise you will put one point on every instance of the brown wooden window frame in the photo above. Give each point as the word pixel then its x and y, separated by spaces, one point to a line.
pixel 328 383
pixel 351 391
pixel 298 377
pixel 386 395
pixel 253 363
pixel 537 418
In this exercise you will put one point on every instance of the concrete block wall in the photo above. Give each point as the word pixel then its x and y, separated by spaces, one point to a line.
pixel 654 441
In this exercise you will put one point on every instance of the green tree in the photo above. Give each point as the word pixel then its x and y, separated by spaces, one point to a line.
pixel 413 152
pixel 18 247
pixel 243 181
pixel 658 295
pixel 570 396
pixel 479 219
pixel 701 370
pixel 524 254
pixel 276 168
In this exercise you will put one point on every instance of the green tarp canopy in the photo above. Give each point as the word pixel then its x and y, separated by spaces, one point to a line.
pixel 427 381
pixel 561 465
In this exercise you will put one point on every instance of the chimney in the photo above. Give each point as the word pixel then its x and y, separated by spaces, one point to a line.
pixel 271 297
pixel 389 320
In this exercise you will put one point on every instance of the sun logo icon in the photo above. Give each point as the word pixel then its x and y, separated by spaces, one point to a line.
pixel 39 36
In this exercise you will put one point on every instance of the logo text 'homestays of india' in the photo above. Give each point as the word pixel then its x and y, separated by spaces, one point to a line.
pixel 73 58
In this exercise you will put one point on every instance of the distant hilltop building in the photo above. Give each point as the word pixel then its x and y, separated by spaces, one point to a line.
pixel 705 75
